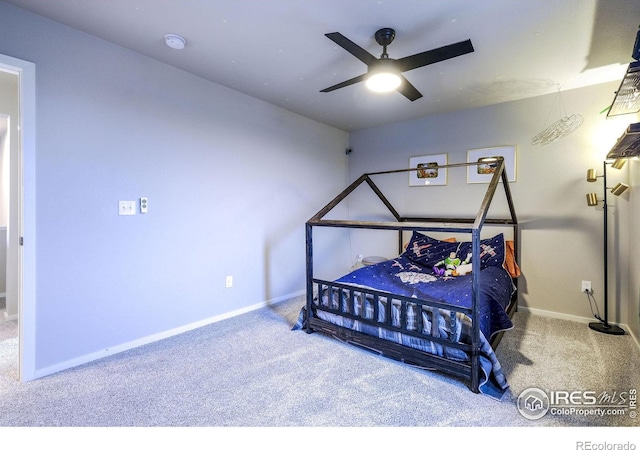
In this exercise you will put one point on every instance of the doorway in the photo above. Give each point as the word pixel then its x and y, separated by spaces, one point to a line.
pixel 8 84
pixel 9 142
pixel 21 236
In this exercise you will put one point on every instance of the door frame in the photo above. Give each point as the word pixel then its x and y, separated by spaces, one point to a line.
pixel 22 214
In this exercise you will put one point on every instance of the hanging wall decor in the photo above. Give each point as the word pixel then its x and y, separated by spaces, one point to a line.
pixel 560 128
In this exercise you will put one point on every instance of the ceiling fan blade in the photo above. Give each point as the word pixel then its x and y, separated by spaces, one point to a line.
pixel 408 90
pixel 434 56
pixel 352 48
pixel 354 80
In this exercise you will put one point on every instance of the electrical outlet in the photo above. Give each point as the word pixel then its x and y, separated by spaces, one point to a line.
pixel 586 286
pixel 229 281
pixel 144 205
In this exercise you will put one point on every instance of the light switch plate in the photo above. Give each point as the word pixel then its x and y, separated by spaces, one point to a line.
pixel 127 208
pixel 144 205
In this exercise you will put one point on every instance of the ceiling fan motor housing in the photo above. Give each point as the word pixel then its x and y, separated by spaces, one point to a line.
pixel 385 36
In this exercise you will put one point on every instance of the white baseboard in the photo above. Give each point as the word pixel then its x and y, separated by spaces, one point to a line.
pixel 192 326
pixel 556 315
pixel 156 337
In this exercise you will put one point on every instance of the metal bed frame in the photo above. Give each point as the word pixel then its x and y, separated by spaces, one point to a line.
pixel 470 370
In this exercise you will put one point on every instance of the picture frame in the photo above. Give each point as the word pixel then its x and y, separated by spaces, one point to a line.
pixel 483 173
pixel 429 172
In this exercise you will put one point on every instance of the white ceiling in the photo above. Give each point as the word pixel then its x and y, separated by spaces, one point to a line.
pixel 276 51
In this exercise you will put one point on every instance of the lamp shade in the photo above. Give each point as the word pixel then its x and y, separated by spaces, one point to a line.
pixel 591 175
pixel 592 199
pixel 618 163
pixel 619 188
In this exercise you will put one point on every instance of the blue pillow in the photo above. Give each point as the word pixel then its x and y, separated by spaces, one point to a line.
pixel 492 251
pixel 428 251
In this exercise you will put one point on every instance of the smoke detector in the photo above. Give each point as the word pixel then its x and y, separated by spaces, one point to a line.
pixel 174 41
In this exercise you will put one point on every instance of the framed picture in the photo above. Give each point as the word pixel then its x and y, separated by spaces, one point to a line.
pixel 483 172
pixel 429 171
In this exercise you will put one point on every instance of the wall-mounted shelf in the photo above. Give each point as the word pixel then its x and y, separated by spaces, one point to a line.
pixel 628 144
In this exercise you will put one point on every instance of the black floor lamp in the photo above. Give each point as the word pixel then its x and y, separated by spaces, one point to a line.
pixel 603 325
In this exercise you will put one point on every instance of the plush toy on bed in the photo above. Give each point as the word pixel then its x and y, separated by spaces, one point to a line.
pixel 453 266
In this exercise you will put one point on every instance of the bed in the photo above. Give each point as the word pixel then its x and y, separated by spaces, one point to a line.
pixel 435 305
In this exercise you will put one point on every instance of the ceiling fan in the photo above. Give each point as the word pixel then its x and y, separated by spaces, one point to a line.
pixel 385 68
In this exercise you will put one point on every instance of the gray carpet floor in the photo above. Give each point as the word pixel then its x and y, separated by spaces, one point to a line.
pixel 253 371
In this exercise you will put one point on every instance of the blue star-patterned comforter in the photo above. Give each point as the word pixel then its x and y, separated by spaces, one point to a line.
pixel 404 276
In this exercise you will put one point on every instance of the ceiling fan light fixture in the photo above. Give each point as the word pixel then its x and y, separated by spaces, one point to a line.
pixel 383 81
pixel 383 77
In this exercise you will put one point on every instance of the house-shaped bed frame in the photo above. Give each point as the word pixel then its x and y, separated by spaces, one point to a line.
pixel 474 225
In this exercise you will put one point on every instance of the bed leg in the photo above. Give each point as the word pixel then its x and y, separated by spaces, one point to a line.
pixel 475 371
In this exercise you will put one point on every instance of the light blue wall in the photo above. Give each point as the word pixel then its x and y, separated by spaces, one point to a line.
pixel 228 179
pixel 229 187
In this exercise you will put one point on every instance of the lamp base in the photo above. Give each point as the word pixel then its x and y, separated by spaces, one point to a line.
pixel 608 328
